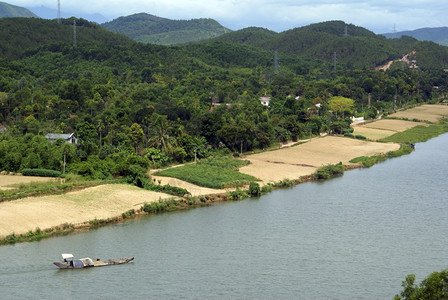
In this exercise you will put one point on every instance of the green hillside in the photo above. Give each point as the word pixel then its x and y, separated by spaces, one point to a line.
pixel 18 35
pixel 8 10
pixel 147 28
pixel 350 45
pixel 135 106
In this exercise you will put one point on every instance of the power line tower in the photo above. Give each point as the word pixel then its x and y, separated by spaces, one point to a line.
pixel 335 60
pixel 59 11
pixel 276 62
pixel 74 33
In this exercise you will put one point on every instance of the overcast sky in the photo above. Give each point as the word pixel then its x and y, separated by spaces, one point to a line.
pixel 380 16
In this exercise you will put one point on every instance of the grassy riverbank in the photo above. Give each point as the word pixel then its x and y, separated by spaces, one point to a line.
pixel 49 206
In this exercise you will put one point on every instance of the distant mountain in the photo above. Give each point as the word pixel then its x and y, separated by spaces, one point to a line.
pixel 437 35
pixel 8 10
pixel 49 13
pixel 148 28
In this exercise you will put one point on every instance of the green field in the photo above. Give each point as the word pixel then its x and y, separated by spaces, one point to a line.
pixel 417 134
pixel 213 173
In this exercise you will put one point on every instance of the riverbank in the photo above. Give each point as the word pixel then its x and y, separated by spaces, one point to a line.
pixel 295 162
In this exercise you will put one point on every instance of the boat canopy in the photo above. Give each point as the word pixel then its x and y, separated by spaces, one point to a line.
pixel 67 256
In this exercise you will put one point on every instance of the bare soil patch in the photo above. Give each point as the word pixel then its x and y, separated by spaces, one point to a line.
pixel 195 190
pixel 383 128
pixel 304 159
pixel 7 180
pixel 101 202
pixel 372 133
pixel 428 112
pixel 393 125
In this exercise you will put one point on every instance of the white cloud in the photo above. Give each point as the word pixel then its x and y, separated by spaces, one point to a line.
pixel 379 16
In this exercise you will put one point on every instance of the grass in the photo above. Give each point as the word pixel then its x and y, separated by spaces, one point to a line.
pixel 213 173
pixel 38 234
pixel 417 134
pixel 368 161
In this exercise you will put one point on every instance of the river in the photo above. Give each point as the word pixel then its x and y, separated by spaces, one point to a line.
pixel 352 237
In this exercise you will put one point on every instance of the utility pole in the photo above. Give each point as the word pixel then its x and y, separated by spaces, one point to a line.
pixel 59 11
pixel 335 60
pixel 74 33
pixel 276 62
pixel 63 166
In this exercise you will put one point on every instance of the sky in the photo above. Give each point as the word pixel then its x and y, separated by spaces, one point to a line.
pixel 379 16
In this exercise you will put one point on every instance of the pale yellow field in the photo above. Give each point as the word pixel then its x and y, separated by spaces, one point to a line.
pixel 427 112
pixel 195 190
pixel 304 159
pixel 383 128
pixel 372 133
pixel 7 180
pixel 101 202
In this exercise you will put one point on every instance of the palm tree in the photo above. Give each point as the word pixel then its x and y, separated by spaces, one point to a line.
pixel 161 138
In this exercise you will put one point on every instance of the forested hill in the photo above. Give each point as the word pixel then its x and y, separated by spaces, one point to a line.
pixel 8 10
pixel 133 105
pixel 18 35
pixel 437 35
pixel 349 45
pixel 147 28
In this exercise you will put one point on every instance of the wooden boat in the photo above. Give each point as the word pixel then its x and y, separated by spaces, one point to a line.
pixel 70 263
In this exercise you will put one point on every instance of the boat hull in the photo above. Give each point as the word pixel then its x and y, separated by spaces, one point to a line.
pixel 75 265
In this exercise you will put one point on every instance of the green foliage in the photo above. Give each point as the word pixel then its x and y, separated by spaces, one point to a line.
pixel 146 28
pixel 161 206
pixel 266 189
pixel 128 214
pixel 213 173
pixel 238 194
pixel 124 98
pixel 367 161
pixel 37 235
pixel 435 286
pixel 41 172
pixel 254 189
pixel 417 134
pixel 329 171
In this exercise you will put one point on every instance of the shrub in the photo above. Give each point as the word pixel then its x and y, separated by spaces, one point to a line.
pixel 160 206
pixel 267 189
pixel 41 172
pixel 254 189
pixel 329 171
pixel 128 214
pixel 238 194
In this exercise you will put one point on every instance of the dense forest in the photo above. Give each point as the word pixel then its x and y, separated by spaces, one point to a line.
pixel 147 28
pixel 135 106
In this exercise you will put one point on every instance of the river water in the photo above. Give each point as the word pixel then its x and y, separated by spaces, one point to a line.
pixel 353 237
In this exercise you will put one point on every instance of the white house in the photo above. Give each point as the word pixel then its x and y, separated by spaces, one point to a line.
pixel 265 100
pixel 68 137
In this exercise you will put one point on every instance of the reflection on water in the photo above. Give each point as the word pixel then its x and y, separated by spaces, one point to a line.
pixel 353 237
